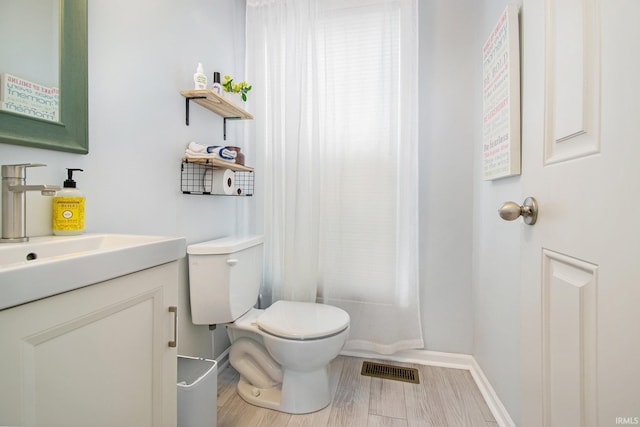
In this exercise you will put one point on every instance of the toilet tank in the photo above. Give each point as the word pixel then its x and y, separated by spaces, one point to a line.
pixel 224 278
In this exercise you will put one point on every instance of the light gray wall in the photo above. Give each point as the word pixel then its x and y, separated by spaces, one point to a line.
pixel 447 83
pixel 496 259
pixel 141 54
pixel 470 259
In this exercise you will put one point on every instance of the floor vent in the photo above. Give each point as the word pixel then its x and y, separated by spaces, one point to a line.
pixel 390 372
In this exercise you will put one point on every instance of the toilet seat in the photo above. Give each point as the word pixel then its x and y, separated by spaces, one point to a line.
pixel 302 320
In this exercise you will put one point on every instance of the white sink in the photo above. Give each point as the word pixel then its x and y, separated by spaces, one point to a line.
pixel 49 265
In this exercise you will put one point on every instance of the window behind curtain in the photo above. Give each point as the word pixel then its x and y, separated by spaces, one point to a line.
pixel 358 57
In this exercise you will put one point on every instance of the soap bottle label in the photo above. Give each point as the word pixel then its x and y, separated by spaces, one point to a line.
pixel 68 213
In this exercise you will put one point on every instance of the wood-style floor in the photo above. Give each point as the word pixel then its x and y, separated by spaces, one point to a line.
pixel 445 397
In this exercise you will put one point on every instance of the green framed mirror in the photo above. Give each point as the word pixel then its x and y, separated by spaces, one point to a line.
pixel 70 131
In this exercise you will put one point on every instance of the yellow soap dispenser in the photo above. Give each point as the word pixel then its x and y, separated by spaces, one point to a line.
pixel 68 208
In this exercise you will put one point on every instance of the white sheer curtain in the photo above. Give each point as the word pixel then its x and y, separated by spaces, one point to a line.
pixel 335 84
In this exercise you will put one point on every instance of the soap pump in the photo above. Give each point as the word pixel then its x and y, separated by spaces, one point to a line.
pixel 68 208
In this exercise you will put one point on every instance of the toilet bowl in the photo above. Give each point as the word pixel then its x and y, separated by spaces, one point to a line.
pixel 300 339
pixel 282 352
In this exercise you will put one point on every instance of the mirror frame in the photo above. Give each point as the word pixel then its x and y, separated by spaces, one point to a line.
pixel 71 132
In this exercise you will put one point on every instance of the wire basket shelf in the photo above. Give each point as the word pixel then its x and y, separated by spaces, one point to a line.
pixel 198 178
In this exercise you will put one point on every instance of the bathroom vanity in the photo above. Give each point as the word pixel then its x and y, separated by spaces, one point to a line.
pixel 97 355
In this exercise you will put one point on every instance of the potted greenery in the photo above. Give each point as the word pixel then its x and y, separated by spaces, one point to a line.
pixel 241 88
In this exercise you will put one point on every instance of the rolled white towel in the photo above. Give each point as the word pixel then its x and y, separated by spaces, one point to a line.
pixel 216 153
pixel 222 152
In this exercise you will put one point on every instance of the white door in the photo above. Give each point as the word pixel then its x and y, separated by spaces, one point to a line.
pixel 581 261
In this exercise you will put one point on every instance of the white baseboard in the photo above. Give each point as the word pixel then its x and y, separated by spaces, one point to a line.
pixel 493 401
pixel 448 360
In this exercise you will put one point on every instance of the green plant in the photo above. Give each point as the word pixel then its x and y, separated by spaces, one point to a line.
pixel 242 88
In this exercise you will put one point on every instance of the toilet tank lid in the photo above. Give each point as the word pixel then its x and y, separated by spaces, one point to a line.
pixel 225 245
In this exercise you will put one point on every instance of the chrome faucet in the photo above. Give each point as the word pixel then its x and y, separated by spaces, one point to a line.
pixel 14 201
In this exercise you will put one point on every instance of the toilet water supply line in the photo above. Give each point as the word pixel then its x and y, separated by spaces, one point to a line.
pixel 255 364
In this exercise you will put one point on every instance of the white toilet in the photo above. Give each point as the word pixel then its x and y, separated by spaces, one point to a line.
pixel 282 353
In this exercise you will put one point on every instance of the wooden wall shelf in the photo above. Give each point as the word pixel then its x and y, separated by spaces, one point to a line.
pixel 216 103
pixel 217 163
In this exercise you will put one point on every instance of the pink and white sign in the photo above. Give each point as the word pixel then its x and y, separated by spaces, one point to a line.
pixel 501 98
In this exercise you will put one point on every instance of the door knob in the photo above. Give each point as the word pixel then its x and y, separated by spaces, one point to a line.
pixel 529 211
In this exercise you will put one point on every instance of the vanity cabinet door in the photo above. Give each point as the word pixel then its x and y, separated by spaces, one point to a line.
pixel 96 356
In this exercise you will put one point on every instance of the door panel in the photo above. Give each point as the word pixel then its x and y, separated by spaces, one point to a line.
pixel 569 290
pixel 566 65
pixel 572 80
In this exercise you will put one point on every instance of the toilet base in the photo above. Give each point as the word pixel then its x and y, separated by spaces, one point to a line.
pixel 307 392
pixel 264 397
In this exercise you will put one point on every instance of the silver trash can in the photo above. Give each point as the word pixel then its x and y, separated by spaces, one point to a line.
pixel 197 392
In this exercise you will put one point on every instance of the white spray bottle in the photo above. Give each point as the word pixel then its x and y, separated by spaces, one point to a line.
pixel 199 78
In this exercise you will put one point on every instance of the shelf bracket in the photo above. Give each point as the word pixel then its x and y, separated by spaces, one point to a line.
pixel 187 99
pixel 224 125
